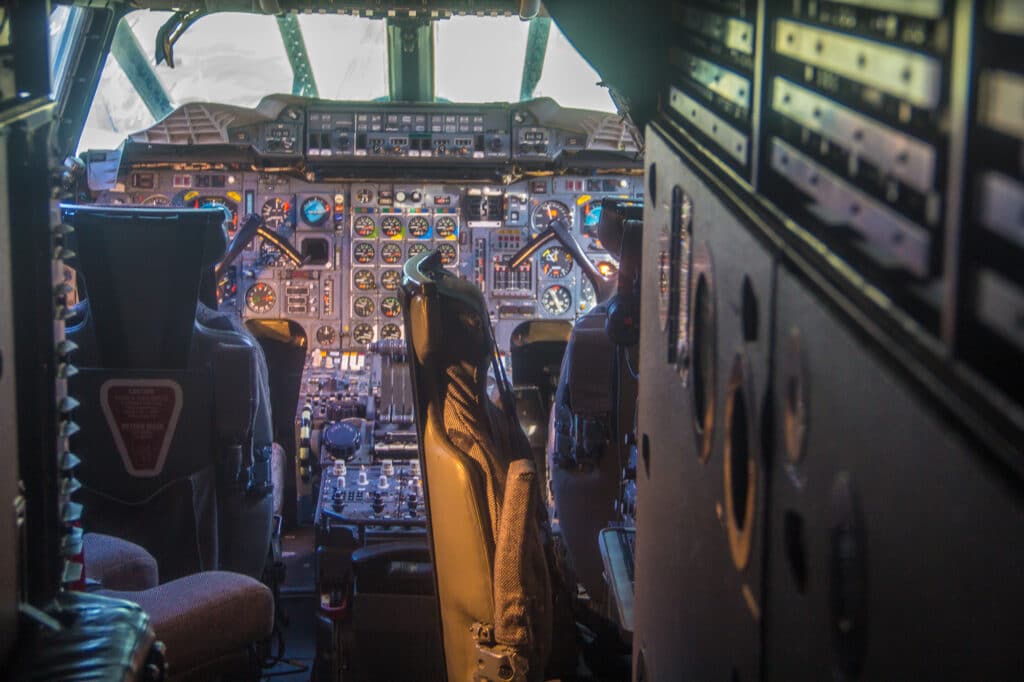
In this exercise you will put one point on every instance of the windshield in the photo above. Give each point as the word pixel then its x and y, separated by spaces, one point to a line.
pixel 238 59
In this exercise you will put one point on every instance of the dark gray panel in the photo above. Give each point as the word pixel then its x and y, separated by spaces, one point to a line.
pixel 927 560
pixel 698 598
pixel 8 433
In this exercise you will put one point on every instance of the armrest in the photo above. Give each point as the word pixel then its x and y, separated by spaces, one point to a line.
pixel 118 564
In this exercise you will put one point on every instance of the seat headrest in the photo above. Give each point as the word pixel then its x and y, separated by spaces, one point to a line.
pixel 614 211
pixel 142 268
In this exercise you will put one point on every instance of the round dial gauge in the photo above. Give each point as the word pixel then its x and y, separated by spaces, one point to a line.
pixel 588 297
pixel 271 256
pixel 391 331
pixel 555 262
pixel 276 213
pixel 391 226
pixel 315 210
pixel 391 254
pixel 260 297
pixel 446 227
pixel 390 306
pixel 390 279
pixel 156 200
pixel 362 306
pixel 326 335
pixel 548 211
pixel 449 256
pixel 556 299
pixel 363 333
pixel 363 226
pixel 419 227
pixel 363 252
pixel 417 249
pixel 363 280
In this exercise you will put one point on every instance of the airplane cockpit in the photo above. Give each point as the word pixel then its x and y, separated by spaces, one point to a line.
pixel 511 340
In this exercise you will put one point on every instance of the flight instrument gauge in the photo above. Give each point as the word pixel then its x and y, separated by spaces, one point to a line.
pixel 417 249
pixel 260 298
pixel 548 211
pixel 229 207
pixel 362 306
pixel 391 254
pixel 364 226
pixel 556 299
pixel 363 252
pixel 591 218
pixel 449 256
pixel 363 333
pixel 363 280
pixel 555 262
pixel 419 227
pixel 277 213
pixel 588 297
pixel 391 331
pixel 390 280
pixel 390 306
pixel 446 227
pixel 315 211
pixel 271 256
pixel 326 336
pixel 391 227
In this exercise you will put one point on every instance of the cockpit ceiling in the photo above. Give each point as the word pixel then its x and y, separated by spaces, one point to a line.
pixel 377 8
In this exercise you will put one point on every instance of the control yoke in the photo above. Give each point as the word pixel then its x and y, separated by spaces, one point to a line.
pixel 604 287
pixel 252 225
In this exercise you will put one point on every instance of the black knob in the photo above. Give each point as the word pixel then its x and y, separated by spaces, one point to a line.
pixel 338 500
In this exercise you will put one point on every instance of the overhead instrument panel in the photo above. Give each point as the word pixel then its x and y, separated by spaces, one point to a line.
pixel 855 138
pixel 712 91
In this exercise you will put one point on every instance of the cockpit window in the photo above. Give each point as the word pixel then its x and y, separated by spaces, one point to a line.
pixel 479 59
pixel 238 59
pixel 483 59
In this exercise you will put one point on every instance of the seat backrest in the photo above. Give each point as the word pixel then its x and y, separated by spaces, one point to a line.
pixel 167 404
pixel 487 523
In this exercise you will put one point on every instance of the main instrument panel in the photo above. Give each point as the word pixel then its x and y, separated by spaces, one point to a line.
pixel 346 194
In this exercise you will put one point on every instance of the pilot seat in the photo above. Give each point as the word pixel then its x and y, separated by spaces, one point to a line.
pixel 174 439
pixel 500 602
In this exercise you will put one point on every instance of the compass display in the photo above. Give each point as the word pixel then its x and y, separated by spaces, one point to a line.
pixel 391 227
pixel 363 226
pixel 446 227
pixel 363 252
pixel 391 254
pixel 363 280
pixel 419 227
pixel 315 210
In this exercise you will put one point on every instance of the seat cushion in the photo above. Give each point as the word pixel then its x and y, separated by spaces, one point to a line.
pixel 118 564
pixel 206 616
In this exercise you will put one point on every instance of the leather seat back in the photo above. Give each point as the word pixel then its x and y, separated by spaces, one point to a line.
pixel 487 523
pixel 168 405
